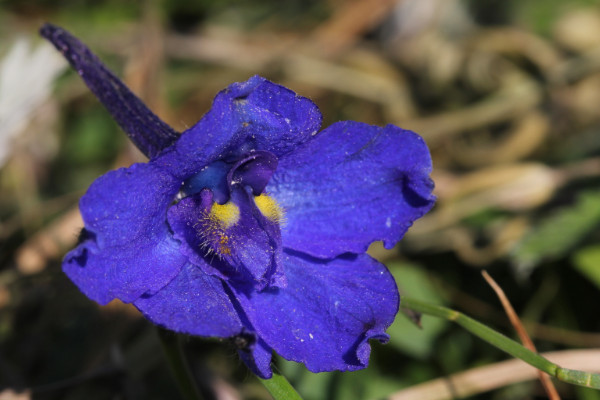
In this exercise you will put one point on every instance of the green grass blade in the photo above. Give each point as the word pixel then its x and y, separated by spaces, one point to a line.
pixel 502 342
pixel 280 388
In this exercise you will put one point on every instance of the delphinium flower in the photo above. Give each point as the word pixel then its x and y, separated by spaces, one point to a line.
pixel 251 224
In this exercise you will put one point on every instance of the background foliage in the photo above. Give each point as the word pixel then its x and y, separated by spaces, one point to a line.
pixel 506 93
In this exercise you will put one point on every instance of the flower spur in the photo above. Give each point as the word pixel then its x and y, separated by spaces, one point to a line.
pixel 251 224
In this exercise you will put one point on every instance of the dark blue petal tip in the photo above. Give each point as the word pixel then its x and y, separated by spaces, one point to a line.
pixel 149 133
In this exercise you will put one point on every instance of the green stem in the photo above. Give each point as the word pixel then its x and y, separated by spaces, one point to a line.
pixel 280 388
pixel 502 342
pixel 178 365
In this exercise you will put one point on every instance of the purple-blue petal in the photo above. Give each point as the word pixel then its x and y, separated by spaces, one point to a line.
pixel 257 357
pixel 254 171
pixel 252 115
pixel 128 249
pixel 149 133
pixel 329 310
pixel 351 185
pixel 194 303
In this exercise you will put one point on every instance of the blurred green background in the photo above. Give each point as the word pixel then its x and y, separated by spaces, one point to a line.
pixel 506 93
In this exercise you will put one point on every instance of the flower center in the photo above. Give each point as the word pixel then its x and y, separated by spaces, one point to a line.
pixel 216 225
pixel 230 226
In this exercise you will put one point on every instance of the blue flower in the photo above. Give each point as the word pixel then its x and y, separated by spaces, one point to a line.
pixel 251 224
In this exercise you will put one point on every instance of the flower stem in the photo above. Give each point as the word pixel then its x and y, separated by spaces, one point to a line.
pixel 502 342
pixel 178 365
pixel 280 388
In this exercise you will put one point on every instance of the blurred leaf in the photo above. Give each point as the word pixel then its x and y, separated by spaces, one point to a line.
pixel 453 350
pixel 368 383
pixel 93 137
pixel 405 335
pixel 584 393
pixel 557 234
pixel 540 15
pixel 587 261
pixel 99 16
pixel 365 384
pixel 484 218
pixel 310 385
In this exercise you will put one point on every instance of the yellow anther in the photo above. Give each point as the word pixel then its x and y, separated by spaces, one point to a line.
pixel 226 215
pixel 224 245
pixel 269 208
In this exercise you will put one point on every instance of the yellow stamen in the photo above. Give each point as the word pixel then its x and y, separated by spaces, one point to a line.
pixel 226 215
pixel 214 226
pixel 269 208
pixel 224 245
